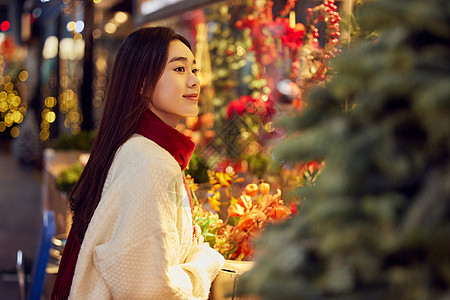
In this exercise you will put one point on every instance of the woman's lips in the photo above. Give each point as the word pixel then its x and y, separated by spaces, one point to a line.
pixel 193 97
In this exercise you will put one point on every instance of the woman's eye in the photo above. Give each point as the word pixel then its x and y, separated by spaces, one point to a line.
pixel 195 71
pixel 180 69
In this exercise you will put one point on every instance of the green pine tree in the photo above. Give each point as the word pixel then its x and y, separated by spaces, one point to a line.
pixel 377 223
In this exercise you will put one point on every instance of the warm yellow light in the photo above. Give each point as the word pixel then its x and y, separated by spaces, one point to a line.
pixel 2 126
pixel 292 19
pixel 17 117
pixel 120 17
pixel 15 101
pixel 23 76
pixel 71 26
pixel 50 47
pixel 110 28
pixel 44 135
pixel 9 86
pixel 7 79
pixel 45 125
pixel 77 37
pixel 8 119
pixel 50 117
pixel 269 127
pixel 240 51
pixel 15 132
pixel 97 1
pixel 50 102
pixel 101 64
pixel 3 106
pixel 96 33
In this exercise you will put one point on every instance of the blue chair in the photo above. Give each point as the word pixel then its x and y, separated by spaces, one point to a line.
pixel 40 260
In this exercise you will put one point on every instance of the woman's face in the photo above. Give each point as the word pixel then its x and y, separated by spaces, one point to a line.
pixel 177 91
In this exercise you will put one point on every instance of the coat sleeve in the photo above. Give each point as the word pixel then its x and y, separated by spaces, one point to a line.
pixel 147 256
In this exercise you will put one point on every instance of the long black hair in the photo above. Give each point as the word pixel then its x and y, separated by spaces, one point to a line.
pixel 139 64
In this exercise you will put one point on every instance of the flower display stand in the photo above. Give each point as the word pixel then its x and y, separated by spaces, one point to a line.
pixel 224 286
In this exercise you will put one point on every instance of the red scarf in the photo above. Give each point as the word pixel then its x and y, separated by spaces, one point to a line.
pixel 174 142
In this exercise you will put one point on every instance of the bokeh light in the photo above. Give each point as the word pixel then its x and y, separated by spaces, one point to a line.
pixel 110 28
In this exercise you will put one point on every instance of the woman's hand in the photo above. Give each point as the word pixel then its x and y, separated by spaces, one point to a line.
pixel 198 237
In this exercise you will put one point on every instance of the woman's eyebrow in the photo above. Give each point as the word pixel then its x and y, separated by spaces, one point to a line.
pixel 180 58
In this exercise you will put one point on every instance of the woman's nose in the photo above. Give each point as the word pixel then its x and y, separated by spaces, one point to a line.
pixel 193 80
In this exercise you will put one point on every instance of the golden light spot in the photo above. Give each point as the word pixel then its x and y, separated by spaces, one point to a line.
pixel 50 117
pixel 44 112
pixel 97 1
pixel 120 17
pixel 2 126
pixel 17 117
pixel 45 125
pixel 3 106
pixel 9 86
pixel 7 79
pixel 101 64
pixel 50 102
pixel 15 101
pixel 77 37
pixel 269 127
pixel 75 129
pixel 23 76
pixel 240 51
pixel 15 132
pixel 8 119
pixel 110 28
pixel 71 26
pixel 264 98
pixel 44 135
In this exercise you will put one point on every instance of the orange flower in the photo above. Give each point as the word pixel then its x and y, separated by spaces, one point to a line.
pixel 246 223
pixel 260 216
pixel 251 189
pixel 264 188
pixel 279 213
pixel 235 210
pixel 246 247
pixel 245 201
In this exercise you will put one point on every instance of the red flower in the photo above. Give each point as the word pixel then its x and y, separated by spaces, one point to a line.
pixel 293 208
pixel 235 108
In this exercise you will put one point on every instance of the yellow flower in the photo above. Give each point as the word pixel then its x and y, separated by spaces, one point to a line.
pixel 214 201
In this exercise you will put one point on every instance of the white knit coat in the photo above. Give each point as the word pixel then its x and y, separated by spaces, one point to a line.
pixel 139 242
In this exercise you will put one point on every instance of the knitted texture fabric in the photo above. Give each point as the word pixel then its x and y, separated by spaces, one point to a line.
pixel 139 242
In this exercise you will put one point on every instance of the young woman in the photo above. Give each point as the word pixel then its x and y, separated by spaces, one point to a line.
pixel 132 235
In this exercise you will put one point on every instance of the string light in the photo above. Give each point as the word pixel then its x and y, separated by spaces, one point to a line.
pixel 12 110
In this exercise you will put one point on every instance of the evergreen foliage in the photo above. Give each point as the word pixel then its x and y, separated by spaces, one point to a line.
pixel 81 141
pixel 376 225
